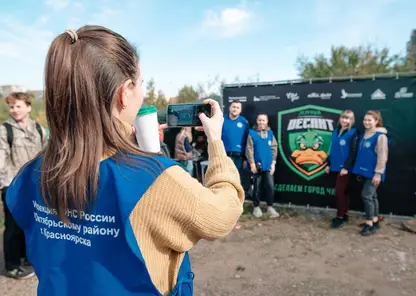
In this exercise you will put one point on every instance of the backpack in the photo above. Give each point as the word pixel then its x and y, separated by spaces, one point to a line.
pixel 9 131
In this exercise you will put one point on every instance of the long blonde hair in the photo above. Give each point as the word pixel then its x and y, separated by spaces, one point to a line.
pixel 349 114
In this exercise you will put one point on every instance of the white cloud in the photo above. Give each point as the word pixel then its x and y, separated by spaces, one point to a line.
pixel 22 40
pixel 57 4
pixel 228 22
pixel 104 16
pixel 9 49
pixel 43 19
pixel 323 12
pixel 74 23
pixel 357 24
pixel 78 5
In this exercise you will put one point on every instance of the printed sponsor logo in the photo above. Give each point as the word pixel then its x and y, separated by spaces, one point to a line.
pixel 403 94
pixel 265 98
pixel 292 96
pixel 305 136
pixel 323 96
pixel 345 94
pixel 241 99
pixel 378 95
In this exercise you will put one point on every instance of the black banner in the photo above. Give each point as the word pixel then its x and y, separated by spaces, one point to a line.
pixel 307 113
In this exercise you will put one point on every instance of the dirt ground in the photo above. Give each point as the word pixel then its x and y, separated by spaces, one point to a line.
pixel 295 255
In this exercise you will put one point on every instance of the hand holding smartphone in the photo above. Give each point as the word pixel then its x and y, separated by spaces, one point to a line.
pixel 187 115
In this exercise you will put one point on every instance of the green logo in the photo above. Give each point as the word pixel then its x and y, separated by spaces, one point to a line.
pixel 304 136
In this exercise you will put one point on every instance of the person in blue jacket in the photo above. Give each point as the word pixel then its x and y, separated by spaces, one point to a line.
pixel 370 165
pixel 261 153
pixel 234 134
pixel 101 216
pixel 341 159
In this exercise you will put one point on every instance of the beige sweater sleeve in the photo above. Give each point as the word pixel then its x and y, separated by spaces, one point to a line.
pixel 250 150
pixel 177 211
pixel 274 149
pixel 382 150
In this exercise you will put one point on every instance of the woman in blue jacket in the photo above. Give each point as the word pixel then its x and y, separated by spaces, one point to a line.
pixel 261 153
pixel 341 160
pixel 101 216
pixel 370 164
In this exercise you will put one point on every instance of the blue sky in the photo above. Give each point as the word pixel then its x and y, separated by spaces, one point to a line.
pixel 190 42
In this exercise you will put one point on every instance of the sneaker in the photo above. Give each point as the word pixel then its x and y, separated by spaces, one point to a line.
pixel 25 262
pixel 257 212
pixel 374 223
pixel 272 212
pixel 367 230
pixel 337 222
pixel 380 219
pixel 21 273
pixel 376 226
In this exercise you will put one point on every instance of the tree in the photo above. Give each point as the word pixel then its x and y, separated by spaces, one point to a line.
pixel 344 61
pixel 411 52
pixel 161 101
pixel 212 88
pixel 150 97
pixel 186 94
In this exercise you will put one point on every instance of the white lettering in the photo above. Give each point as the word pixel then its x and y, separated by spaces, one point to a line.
pixel 101 231
pixel 43 209
pixel 291 125
pixel 97 218
pixel 69 237
pixel 310 123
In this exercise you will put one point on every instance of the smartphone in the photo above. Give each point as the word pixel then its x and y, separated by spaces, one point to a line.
pixel 184 115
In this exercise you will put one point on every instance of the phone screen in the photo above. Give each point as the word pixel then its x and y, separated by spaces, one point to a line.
pixel 182 115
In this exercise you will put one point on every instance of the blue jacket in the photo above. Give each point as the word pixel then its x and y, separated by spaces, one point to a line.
pixel 343 149
pixel 234 134
pixel 366 161
pixel 262 147
pixel 97 255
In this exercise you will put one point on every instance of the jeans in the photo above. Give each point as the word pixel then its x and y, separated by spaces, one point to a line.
pixel 14 244
pixel 263 180
pixel 188 165
pixel 244 174
pixel 369 196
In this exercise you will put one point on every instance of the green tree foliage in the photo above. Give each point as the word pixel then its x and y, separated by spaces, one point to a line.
pixel 186 94
pixel 161 101
pixel 211 88
pixel 150 96
pixel 344 61
pixel 411 52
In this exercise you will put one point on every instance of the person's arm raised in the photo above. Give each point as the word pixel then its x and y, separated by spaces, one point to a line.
pixel 177 210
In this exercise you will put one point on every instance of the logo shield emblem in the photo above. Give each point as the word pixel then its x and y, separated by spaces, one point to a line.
pixel 304 136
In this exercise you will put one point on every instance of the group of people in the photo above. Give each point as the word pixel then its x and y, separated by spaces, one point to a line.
pixel 253 151
pixel 355 153
pixel 363 155
pixel 99 215
pixel 93 214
